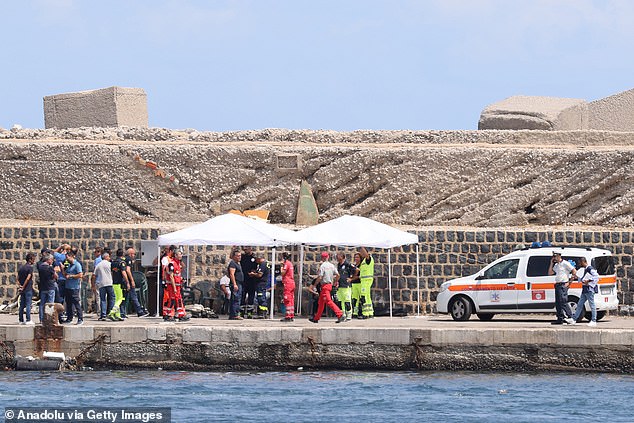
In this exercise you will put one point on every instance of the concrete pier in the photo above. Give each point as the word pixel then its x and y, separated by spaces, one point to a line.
pixel 520 343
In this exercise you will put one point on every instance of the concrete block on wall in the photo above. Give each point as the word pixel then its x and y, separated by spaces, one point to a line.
pixel 613 113
pixel 107 107
pixel 537 113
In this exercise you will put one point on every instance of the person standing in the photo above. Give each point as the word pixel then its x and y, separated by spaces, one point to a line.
pixel 366 276
pixel 25 289
pixel 356 288
pixel 103 273
pixel 181 315
pixel 119 283
pixel 327 275
pixel 288 281
pixel 73 275
pixel 60 284
pixel 263 293
pixel 563 271
pixel 95 283
pixel 589 286
pixel 249 263
pixel 234 270
pixel 132 296
pixel 47 284
pixel 344 284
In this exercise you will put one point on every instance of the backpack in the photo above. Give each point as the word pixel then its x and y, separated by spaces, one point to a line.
pixel 587 272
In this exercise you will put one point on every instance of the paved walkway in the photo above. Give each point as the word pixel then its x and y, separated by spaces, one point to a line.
pixel 424 321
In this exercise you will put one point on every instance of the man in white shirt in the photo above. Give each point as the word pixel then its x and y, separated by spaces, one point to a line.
pixel 103 274
pixel 563 272
pixel 590 286
pixel 327 275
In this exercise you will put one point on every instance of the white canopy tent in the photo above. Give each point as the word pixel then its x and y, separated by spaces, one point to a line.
pixel 357 231
pixel 232 229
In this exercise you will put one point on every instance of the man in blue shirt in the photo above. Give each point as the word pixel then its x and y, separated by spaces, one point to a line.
pixel 589 279
pixel 60 260
pixel 73 275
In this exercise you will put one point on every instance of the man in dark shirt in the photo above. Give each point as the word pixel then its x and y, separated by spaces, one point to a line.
pixel 119 283
pixel 344 290
pixel 248 262
pixel 263 293
pixel 234 270
pixel 132 296
pixel 25 289
pixel 47 284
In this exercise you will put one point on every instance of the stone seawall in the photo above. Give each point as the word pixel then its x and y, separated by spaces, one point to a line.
pixel 394 346
pixel 444 254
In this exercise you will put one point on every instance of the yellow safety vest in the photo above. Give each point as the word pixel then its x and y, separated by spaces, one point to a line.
pixel 366 271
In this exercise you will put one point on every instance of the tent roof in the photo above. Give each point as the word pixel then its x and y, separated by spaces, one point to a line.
pixel 355 231
pixel 231 229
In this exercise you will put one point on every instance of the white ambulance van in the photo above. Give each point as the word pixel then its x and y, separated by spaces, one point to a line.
pixel 519 283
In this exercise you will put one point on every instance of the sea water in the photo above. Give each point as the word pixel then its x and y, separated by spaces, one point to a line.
pixel 334 396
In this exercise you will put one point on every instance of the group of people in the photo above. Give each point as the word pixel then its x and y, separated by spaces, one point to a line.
pixel 247 286
pixel 59 275
pixel 565 273
pixel 59 281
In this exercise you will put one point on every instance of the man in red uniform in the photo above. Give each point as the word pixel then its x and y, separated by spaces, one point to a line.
pixel 289 288
pixel 169 294
pixel 178 283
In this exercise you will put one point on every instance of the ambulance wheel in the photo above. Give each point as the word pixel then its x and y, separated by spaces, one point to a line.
pixel 572 302
pixel 485 317
pixel 600 315
pixel 460 309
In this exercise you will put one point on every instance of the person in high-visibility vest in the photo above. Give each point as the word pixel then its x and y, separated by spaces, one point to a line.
pixel 366 275
pixel 356 287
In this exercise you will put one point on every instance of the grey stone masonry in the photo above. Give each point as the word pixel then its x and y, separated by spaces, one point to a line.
pixel 107 107
pixel 445 253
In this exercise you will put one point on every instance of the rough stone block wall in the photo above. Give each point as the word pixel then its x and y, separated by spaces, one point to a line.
pixel 107 107
pixel 445 253
pixel 461 178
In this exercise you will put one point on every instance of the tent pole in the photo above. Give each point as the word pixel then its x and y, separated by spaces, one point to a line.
pixel 158 279
pixel 389 276
pixel 300 285
pixel 272 311
pixel 418 278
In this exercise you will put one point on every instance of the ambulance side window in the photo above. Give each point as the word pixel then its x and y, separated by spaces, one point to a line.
pixel 538 266
pixel 506 269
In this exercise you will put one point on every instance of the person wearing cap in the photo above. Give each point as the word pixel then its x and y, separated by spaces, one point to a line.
pixel 288 281
pixel 328 275
pixel 249 262
pixel 563 271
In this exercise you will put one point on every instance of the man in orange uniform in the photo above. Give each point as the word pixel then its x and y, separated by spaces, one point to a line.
pixel 289 287
pixel 178 283
pixel 169 294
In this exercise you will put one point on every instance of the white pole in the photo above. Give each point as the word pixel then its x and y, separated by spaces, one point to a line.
pixel 189 260
pixel 272 311
pixel 418 277
pixel 389 276
pixel 158 279
pixel 300 285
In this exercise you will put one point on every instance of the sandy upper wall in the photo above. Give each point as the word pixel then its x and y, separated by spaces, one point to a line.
pixel 467 178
